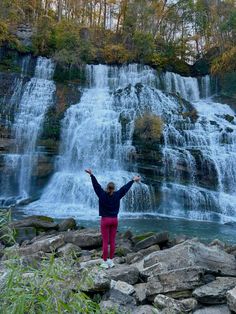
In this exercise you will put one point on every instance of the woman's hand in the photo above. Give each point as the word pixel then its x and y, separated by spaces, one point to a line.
pixel 136 178
pixel 89 171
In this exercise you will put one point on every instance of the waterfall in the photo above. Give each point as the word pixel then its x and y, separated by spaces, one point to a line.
pixel 91 137
pixel 198 152
pixel 37 96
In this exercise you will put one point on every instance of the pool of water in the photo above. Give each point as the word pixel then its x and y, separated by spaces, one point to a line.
pixel 205 231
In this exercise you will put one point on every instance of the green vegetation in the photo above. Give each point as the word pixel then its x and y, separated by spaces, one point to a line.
pixel 44 290
pixel 149 127
pixel 165 34
pixel 7 234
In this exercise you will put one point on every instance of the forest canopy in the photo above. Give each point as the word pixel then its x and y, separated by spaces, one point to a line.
pixel 162 33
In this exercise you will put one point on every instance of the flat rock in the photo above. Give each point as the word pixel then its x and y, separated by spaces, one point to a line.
pixel 171 306
pixel 67 224
pixel 215 291
pixel 216 309
pixel 231 299
pixel 189 254
pixel 69 249
pixel 127 273
pixel 85 238
pixel 175 281
pixel 122 286
pixel 46 244
pixel 158 238
pixel 95 280
pixel 145 309
pixel 38 222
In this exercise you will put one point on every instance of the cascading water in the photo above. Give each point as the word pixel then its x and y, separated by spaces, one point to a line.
pixel 37 96
pixel 198 154
pixel 91 137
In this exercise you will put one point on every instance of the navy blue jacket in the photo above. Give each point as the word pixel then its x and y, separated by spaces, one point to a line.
pixel 109 205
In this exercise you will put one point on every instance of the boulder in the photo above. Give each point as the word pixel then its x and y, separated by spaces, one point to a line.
pixel 172 306
pixel 95 280
pixel 140 292
pixel 218 243
pixel 46 244
pixel 38 222
pixel 85 238
pixel 129 274
pixel 117 297
pixel 216 309
pixel 180 280
pixel 24 233
pixel 67 224
pixel 215 291
pixel 231 299
pixel 69 249
pixel 190 254
pixel 122 286
pixel 90 262
pixel 158 238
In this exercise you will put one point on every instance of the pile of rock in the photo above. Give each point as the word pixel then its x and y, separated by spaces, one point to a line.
pixel 153 273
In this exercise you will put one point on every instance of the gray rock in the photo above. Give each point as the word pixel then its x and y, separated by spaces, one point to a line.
pixel 175 281
pixel 122 286
pixel 158 238
pixel 171 306
pixel 95 280
pixel 85 238
pixel 129 274
pixel 231 299
pixel 218 243
pixel 215 291
pixel 91 262
pixel 145 309
pixel 38 222
pixel 46 244
pixel 189 254
pixel 216 309
pixel 140 292
pixel 121 298
pixel 67 224
pixel 24 233
pixel 69 249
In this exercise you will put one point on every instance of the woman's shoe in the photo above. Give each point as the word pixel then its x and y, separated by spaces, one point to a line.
pixel 110 263
pixel 104 265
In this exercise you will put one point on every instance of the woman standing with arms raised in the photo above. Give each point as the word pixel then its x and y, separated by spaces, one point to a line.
pixel 109 205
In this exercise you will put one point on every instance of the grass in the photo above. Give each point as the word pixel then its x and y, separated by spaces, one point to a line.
pixel 7 234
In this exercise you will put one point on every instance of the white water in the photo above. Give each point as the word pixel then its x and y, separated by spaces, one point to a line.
pixel 198 157
pixel 36 98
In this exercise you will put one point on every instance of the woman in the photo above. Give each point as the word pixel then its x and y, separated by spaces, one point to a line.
pixel 109 205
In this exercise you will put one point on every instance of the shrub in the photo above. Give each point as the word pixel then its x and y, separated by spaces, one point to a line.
pixel 7 234
pixel 116 54
pixel 149 127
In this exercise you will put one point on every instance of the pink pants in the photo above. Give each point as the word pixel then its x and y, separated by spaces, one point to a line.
pixel 108 230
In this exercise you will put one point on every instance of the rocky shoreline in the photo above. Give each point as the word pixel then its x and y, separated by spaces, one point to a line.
pixel 153 274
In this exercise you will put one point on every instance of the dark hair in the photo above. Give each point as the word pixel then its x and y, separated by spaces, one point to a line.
pixel 110 187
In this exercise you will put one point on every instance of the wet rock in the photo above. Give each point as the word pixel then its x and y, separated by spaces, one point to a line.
pixel 180 280
pixel 140 292
pixel 129 274
pixel 231 299
pixel 69 249
pixel 67 224
pixel 122 286
pixel 158 238
pixel 24 233
pixel 189 254
pixel 95 280
pixel 85 238
pixel 172 306
pixel 215 291
pixel 218 243
pixel 217 309
pixel 38 222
